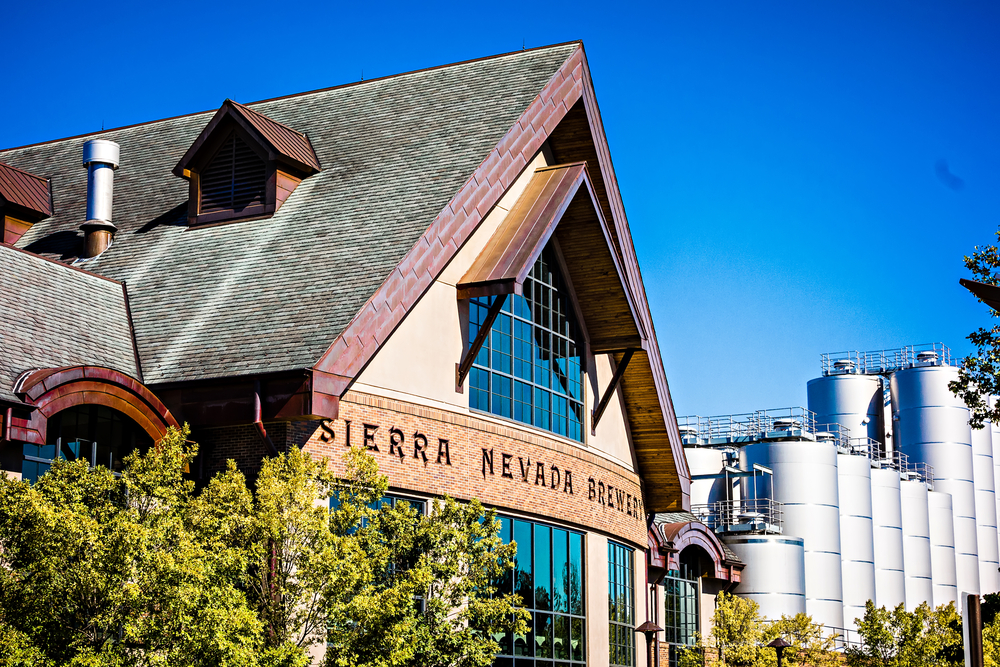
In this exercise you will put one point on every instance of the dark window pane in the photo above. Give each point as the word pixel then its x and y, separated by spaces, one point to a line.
pixel 576 574
pixel 543 567
pixel 502 390
pixel 561 639
pixel 522 402
pixel 524 582
pixel 543 635
pixel 479 389
pixel 542 416
pixel 560 570
pixel 578 650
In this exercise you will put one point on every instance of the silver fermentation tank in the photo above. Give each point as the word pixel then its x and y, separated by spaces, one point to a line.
pixel 986 507
pixel 942 528
pixel 887 521
pixel 916 541
pixel 805 481
pixel 774 577
pixel 857 546
pixel 931 425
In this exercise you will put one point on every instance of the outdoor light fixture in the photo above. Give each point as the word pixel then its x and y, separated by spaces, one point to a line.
pixel 779 645
pixel 649 629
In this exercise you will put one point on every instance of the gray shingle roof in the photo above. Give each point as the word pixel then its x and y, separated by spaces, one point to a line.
pixel 270 295
pixel 58 316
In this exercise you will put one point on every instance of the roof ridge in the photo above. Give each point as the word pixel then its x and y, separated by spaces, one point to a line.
pixel 284 97
pixel 7 246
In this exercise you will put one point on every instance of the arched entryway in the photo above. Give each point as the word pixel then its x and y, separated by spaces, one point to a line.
pixel 96 433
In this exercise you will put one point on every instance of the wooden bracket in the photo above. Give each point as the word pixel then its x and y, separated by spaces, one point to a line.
pixel 462 369
pixel 615 379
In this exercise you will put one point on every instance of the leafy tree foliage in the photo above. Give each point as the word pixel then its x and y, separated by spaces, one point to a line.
pixel 898 638
pixel 142 570
pixel 979 374
pixel 740 638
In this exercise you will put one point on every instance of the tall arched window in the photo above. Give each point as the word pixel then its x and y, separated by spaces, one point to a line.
pixel 95 433
pixel 530 369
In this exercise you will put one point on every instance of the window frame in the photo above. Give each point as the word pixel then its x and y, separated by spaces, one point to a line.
pixel 621 629
pixel 573 620
pixel 577 335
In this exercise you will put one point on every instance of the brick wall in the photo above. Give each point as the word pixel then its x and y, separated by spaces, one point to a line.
pixel 436 452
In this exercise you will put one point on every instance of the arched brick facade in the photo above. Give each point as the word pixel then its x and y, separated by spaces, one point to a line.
pixel 668 540
pixel 52 390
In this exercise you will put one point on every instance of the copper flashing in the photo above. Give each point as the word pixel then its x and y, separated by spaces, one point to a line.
pixel 504 263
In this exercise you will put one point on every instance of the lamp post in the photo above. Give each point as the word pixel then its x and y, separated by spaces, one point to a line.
pixel 649 629
pixel 779 645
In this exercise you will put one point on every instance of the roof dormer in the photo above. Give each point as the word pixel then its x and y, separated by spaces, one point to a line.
pixel 243 166
pixel 24 200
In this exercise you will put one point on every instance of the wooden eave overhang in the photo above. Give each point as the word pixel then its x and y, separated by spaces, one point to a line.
pixel 283 144
pixel 567 97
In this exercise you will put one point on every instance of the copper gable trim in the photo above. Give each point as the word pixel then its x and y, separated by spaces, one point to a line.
pixel 282 142
pixel 504 264
pixel 27 191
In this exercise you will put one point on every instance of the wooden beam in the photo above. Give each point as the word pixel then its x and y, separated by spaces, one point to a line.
pixel 602 406
pixel 462 369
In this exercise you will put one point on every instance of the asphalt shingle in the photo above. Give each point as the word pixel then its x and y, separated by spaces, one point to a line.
pixel 270 295
pixel 58 316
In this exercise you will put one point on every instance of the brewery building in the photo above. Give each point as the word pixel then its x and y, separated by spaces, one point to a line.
pixel 436 266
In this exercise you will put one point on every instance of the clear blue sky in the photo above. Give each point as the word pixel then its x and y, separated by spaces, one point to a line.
pixel 780 161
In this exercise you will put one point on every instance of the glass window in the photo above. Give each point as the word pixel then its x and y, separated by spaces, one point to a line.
pixel 680 611
pixel 94 433
pixel 621 605
pixel 548 575
pixel 529 368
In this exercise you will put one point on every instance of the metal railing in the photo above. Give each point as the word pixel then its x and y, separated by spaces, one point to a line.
pixel 747 427
pixel 759 515
pixel 876 362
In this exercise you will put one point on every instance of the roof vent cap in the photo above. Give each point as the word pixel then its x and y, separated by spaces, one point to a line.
pixel 101 158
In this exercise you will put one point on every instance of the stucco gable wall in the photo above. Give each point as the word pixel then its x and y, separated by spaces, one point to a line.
pixel 417 363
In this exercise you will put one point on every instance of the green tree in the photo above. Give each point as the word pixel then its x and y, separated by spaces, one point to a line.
pixel 101 570
pixel 740 637
pixel 979 374
pixel 899 638
pixel 139 570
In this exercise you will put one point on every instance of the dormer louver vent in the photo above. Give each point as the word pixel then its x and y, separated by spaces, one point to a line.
pixel 234 179
pixel 243 165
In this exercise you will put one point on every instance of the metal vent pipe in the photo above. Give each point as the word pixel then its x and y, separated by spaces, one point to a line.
pixel 101 158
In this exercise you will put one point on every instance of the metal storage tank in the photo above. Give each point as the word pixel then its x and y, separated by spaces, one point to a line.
pixel 857 546
pixel 805 481
pixel 706 461
pixel 986 507
pixel 995 433
pixel 942 529
pixel 854 401
pixel 932 427
pixel 916 542
pixel 887 523
pixel 775 574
